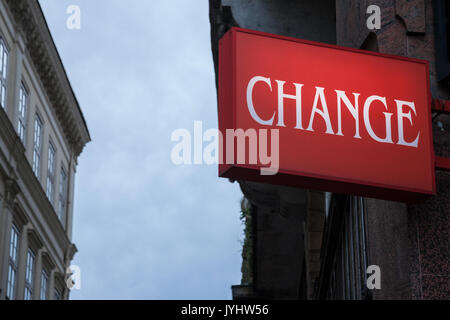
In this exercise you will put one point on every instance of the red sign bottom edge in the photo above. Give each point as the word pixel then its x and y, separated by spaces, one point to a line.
pixel 339 187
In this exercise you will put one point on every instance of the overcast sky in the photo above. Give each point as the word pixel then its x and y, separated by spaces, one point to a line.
pixel 144 227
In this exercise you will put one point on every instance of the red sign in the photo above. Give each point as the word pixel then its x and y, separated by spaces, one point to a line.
pixel 341 120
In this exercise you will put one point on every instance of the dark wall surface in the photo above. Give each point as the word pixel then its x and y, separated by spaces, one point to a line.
pixel 310 20
pixel 281 233
pixel 409 242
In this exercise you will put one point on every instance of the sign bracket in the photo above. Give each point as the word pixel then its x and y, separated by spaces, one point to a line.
pixel 441 107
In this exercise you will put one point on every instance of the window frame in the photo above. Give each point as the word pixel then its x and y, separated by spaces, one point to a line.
pixel 13 262
pixel 43 292
pixel 22 115
pixel 29 274
pixel 442 37
pixel 57 294
pixel 62 194
pixel 3 71
pixel 37 150
pixel 51 172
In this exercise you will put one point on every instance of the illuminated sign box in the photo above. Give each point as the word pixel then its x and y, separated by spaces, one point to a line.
pixel 344 120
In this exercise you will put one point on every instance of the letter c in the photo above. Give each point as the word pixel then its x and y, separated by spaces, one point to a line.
pixel 250 106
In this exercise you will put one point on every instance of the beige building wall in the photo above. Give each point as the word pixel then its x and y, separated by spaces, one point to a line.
pixel 24 204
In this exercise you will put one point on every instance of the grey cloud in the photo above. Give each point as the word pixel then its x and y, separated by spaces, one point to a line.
pixel 146 229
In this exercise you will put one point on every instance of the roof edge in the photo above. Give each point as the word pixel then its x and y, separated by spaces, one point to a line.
pixel 30 19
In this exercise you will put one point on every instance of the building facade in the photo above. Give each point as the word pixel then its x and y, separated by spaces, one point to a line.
pixel 42 133
pixel 307 244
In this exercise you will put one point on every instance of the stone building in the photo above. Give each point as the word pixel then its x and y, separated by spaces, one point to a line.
pixel 308 244
pixel 42 133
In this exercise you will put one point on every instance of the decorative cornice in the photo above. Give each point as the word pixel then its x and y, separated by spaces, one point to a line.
pixel 35 239
pixel 31 22
pixel 70 253
pixel 12 189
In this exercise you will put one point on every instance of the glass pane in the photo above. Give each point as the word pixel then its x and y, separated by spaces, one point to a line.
pixel 10 291
pixel 30 267
pixel 13 244
pixel 27 294
pixel 44 286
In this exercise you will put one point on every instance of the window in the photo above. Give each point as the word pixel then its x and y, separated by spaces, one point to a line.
pixel 37 146
pixel 62 198
pixel 50 172
pixel 328 196
pixel 29 275
pixel 344 258
pixel 13 263
pixel 3 72
pixel 44 281
pixel 442 38
pixel 23 107
pixel 57 294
